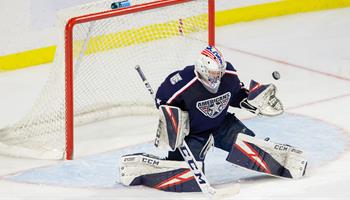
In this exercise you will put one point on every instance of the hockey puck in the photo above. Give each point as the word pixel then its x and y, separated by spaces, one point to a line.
pixel 276 75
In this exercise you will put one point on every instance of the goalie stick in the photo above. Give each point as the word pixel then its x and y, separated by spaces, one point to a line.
pixel 186 153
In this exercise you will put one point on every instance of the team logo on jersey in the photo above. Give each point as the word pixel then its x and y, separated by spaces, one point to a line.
pixel 214 106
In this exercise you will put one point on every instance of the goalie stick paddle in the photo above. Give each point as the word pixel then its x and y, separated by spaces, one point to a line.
pixel 186 153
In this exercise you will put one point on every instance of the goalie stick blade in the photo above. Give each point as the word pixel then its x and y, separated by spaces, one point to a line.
pixel 226 191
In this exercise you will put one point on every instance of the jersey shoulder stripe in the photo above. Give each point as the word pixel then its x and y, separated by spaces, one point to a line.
pixel 181 90
pixel 230 72
pixel 175 84
pixel 230 69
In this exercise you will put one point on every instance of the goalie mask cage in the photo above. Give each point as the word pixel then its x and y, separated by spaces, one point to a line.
pixel 93 76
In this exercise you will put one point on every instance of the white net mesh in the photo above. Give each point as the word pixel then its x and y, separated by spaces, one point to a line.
pixel 106 84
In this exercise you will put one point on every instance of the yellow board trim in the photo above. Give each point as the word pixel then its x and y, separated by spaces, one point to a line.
pixel 27 58
pixel 276 9
pixel 46 54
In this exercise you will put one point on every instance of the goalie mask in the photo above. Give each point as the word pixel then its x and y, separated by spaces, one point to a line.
pixel 210 67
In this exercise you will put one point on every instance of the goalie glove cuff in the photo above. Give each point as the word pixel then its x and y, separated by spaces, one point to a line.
pixel 245 105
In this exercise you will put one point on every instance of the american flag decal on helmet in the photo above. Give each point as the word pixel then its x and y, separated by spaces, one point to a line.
pixel 214 54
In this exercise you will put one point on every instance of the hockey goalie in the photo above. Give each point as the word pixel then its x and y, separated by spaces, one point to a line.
pixel 193 107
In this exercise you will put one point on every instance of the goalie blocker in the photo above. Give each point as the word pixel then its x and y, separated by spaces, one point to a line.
pixel 173 127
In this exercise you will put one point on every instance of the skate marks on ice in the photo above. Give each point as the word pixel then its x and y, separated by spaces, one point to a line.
pixel 101 170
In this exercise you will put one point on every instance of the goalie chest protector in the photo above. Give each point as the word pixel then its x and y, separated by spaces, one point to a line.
pixel 206 110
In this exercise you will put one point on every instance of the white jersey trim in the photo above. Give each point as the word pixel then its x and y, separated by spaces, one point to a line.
pixel 181 90
pixel 230 72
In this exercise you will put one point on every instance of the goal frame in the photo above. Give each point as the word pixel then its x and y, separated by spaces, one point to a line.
pixel 69 101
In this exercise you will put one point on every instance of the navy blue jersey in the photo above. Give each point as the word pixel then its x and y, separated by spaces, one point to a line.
pixel 206 110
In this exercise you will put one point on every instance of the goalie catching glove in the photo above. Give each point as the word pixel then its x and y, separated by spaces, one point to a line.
pixel 173 127
pixel 262 100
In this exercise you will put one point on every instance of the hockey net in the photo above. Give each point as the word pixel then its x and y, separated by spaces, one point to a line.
pixel 93 76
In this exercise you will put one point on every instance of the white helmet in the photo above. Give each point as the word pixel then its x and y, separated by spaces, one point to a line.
pixel 210 67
